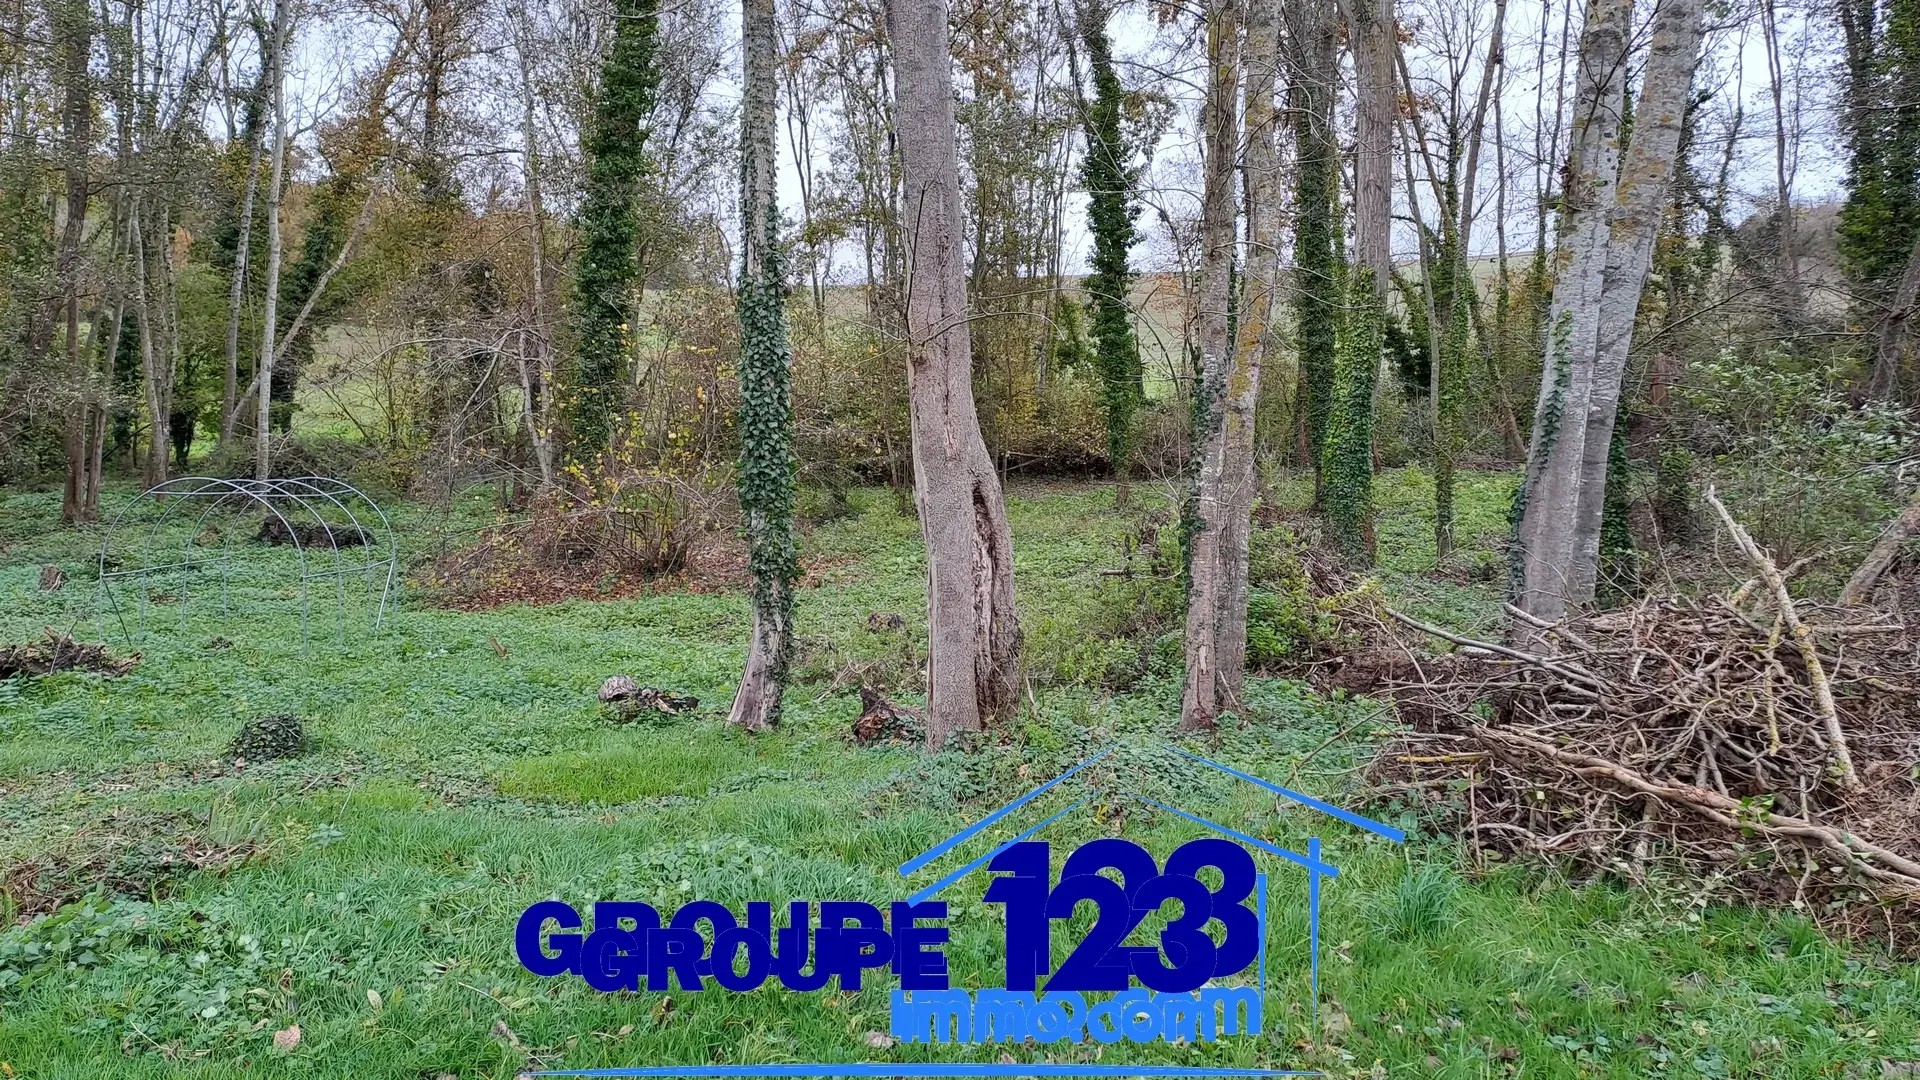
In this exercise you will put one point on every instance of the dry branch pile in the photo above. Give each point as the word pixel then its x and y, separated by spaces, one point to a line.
pixel 60 652
pixel 1774 743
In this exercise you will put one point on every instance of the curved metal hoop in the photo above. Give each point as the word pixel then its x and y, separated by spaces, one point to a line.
pixel 316 506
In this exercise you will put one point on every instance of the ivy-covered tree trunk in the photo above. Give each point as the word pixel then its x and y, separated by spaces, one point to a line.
pixel 1110 215
pixel 1879 226
pixel 1317 264
pixel 974 633
pixel 766 379
pixel 608 268
pixel 1208 536
pixel 1347 460
pixel 1612 211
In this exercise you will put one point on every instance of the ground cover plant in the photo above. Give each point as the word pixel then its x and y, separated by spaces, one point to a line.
pixel 347 910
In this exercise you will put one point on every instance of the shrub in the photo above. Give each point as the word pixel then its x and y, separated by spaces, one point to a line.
pixel 1804 468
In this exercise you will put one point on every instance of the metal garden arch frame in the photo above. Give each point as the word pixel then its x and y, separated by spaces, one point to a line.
pixel 296 503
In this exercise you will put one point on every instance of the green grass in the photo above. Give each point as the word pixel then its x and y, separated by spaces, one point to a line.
pixel 450 786
pixel 624 767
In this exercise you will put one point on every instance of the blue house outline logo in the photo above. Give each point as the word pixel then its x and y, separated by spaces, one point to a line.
pixel 1312 862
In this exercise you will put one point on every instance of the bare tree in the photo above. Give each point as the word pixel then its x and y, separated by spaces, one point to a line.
pixel 973 630
pixel 269 321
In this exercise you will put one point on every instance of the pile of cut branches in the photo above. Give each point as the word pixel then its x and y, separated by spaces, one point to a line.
pixel 1766 741
pixel 60 652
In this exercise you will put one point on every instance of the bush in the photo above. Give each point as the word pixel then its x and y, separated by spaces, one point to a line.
pixel 1284 617
pixel 1804 468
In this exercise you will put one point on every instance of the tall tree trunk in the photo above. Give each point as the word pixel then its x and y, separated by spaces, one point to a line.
pixel 73 30
pixel 270 317
pixel 536 376
pixel 1316 276
pixel 1550 489
pixel 1207 556
pixel 1454 343
pixel 1613 212
pixel 1639 198
pixel 1256 331
pixel 973 630
pixel 766 384
pixel 237 288
pixel 155 372
pixel 1375 95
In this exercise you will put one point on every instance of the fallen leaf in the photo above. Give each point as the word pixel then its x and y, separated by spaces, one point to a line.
pixel 1334 1023
pixel 374 999
pixel 625 1030
pixel 287 1038
pixel 879 1040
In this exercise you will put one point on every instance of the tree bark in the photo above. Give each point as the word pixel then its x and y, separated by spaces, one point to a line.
pixel 1550 491
pixel 973 630
pixel 1375 93
pixel 1256 336
pixel 1639 197
pixel 766 379
pixel 1209 556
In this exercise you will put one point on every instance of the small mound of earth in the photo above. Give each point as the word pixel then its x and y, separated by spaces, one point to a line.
pixel 269 738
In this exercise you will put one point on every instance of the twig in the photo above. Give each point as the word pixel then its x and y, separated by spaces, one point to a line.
pixel 1802 639
pixel 1573 674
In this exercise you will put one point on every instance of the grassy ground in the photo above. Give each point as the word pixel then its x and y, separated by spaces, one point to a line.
pixel 462 770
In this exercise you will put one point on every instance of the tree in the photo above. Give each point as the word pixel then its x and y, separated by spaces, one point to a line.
pixel 254 111
pixel 1226 381
pixel 1317 273
pixel 269 320
pixel 1612 210
pixel 1111 211
pixel 1376 89
pixel 1347 464
pixel 73 34
pixel 608 268
pixel 973 630
pixel 766 376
